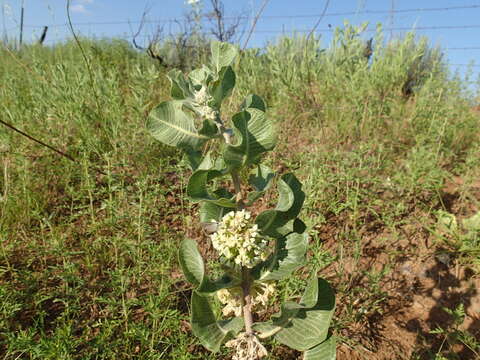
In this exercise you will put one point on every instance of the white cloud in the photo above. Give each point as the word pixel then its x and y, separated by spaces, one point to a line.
pixel 7 10
pixel 78 8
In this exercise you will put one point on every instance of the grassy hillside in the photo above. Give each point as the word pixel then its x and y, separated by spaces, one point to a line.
pixel 386 141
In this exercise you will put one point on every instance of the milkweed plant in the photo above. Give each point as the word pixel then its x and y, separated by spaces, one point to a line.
pixel 255 250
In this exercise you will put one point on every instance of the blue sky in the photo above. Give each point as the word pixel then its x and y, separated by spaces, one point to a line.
pixel 105 18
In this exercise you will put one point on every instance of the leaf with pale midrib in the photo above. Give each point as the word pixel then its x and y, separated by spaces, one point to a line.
pixel 290 202
pixel 222 87
pixel 288 256
pixel 191 262
pixel 306 325
pixel 197 188
pixel 324 351
pixel 223 54
pixel 254 136
pixel 169 124
pixel 212 333
pixel 181 88
pixel 261 179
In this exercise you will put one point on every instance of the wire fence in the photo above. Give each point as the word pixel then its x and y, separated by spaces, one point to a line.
pixel 178 21
pixel 300 16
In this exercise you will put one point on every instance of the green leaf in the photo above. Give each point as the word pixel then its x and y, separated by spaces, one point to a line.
pixel 223 54
pixel 207 162
pixel 265 329
pixel 254 134
pixel 212 333
pixel 181 88
pixel 210 211
pixel 208 129
pixel 201 77
pixel 197 188
pixel 290 202
pixel 260 180
pixel 253 102
pixel 288 256
pixel 191 262
pixel 222 87
pixel 193 268
pixel 169 124
pixel 447 222
pixel 324 351
pixel 193 158
pixel 306 324
pixel 197 184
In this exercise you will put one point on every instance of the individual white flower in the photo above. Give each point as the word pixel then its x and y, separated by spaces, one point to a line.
pixel 192 2
pixel 240 241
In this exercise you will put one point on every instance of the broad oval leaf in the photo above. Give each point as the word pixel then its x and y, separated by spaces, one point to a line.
pixel 222 87
pixel 255 135
pixel 193 268
pixel 288 256
pixel 265 329
pixel 290 202
pixel 169 124
pixel 255 102
pixel 223 54
pixel 211 333
pixel 197 184
pixel 181 87
pixel 309 321
pixel 201 77
pixel 191 262
pixel 261 180
pixel 327 350
pixel 210 212
pixel 197 188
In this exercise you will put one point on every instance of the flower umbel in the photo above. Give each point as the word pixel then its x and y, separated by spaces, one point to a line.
pixel 232 298
pixel 238 240
pixel 202 98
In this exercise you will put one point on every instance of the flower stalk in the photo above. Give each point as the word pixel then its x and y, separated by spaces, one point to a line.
pixel 246 283
pixel 247 301
pixel 256 250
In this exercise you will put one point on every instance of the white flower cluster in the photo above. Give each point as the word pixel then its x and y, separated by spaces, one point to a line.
pixel 202 98
pixel 232 298
pixel 238 240
pixel 247 347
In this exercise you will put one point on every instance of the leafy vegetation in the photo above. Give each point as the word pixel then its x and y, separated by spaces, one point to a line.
pixel 88 248
pixel 244 247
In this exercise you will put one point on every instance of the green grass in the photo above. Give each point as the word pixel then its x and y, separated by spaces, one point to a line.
pixel 88 266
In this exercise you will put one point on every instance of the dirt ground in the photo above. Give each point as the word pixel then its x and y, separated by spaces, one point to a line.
pixel 419 290
pixel 423 282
